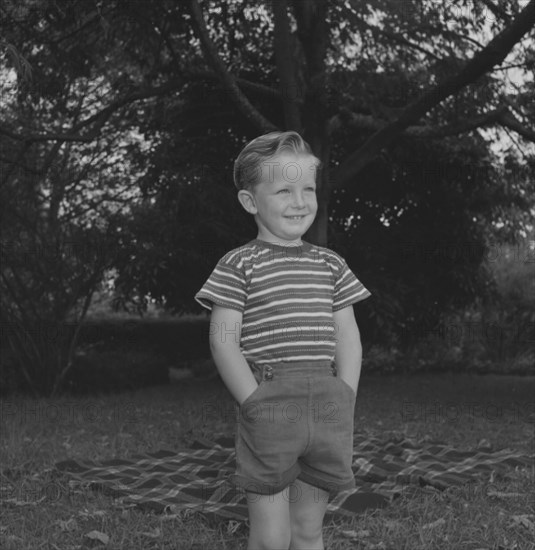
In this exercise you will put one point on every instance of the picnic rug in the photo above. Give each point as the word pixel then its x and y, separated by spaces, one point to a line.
pixel 195 478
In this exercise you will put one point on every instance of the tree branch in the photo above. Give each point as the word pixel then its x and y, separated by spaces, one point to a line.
pixel 498 11
pixel 100 118
pixel 501 115
pixel 243 83
pixel 510 121
pixel 482 62
pixel 385 32
pixel 256 87
pixel 479 121
pixel 228 81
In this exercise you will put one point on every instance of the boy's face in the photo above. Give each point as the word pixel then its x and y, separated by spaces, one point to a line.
pixel 284 202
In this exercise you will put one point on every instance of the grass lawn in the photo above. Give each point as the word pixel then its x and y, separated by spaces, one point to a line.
pixel 39 511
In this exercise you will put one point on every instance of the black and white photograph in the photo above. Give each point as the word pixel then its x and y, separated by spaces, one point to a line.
pixel 267 274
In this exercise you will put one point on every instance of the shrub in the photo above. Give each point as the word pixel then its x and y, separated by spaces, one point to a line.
pixel 118 369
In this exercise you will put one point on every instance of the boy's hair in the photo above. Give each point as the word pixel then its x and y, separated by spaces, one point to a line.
pixel 248 165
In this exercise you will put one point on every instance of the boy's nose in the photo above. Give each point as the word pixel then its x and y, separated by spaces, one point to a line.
pixel 298 200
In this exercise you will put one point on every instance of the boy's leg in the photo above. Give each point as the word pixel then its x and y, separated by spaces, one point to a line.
pixel 307 509
pixel 269 521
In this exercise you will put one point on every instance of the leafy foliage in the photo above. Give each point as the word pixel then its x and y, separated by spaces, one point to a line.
pixel 118 129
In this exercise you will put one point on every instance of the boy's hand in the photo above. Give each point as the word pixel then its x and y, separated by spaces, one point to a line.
pixel 348 355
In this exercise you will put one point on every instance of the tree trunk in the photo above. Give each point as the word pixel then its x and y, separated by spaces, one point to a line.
pixel 283 46
pixel 312 31
pixel 318 232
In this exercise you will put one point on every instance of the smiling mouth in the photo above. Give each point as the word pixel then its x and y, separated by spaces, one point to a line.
pixel 295 217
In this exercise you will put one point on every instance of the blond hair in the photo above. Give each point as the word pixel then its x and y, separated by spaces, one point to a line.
pixel 248 164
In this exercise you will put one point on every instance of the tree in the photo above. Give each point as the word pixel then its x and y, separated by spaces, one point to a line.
pixel 344 105
pixel 387 93
pixel 51 267
pixel 61 201
pixel 300 39
pixel 312 29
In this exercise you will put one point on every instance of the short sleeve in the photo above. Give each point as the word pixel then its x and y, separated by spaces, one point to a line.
pixel 225 286
pixel 347 289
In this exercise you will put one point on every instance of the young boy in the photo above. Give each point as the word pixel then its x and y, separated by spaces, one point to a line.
pixel 284 339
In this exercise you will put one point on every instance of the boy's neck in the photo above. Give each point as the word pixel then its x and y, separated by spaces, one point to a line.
pixel 280 245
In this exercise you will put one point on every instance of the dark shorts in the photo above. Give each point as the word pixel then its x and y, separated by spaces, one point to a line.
pixel 298 424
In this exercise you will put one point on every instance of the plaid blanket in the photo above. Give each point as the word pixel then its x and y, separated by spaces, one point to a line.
pixel 195 478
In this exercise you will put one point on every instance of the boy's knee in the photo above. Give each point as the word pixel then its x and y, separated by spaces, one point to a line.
pixel 306 530
pixel 271 540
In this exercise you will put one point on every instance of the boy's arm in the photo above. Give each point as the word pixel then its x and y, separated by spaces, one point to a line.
pixel 348 355
pixel 225 332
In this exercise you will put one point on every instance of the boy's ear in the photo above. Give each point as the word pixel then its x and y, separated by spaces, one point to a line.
pixel 247 200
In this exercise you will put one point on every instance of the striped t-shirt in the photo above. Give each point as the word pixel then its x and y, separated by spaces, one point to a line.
pixel 287 295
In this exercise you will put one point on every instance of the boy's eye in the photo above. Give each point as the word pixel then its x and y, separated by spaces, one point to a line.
pixel 287 190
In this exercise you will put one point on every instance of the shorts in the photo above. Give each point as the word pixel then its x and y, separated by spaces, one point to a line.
pixel 297 424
